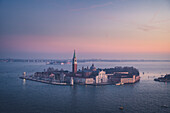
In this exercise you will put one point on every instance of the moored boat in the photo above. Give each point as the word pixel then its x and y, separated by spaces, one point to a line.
pixel 165 78
pixel 120 83
pixel 121 108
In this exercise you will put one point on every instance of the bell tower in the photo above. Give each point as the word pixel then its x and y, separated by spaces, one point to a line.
pixel 74 63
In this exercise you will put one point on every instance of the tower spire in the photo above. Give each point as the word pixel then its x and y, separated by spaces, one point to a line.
pixel 74 63
pixel 74 55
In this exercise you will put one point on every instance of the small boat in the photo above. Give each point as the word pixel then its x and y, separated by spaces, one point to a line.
pixel 163 78
pixel 164 106
pixel 120 83
pixel 121 108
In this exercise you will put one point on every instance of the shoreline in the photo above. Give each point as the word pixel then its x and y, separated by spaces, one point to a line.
pixel 45 81
pixel 67 84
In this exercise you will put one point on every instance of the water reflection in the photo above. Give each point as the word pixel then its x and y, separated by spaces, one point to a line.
pixel 24 82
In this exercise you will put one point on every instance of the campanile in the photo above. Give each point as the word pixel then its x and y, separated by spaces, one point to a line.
pixel 74 63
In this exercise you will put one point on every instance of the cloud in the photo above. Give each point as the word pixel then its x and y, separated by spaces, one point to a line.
pixel 163 21
pixel 153 21
pixel 147 28
pixel 155 16
pixel 93 6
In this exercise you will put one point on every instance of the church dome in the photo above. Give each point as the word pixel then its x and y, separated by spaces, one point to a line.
pixel 93 68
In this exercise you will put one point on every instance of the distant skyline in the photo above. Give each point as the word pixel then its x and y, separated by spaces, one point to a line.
pixel 114 29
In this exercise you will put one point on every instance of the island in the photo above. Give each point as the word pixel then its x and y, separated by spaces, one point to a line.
pixel 86 75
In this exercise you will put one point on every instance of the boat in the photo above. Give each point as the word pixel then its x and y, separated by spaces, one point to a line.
pixel 121 108
pixel 120 83
pixel 163 78
pixel 164 106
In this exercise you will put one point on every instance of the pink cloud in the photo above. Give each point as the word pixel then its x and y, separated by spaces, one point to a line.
pixel 147 28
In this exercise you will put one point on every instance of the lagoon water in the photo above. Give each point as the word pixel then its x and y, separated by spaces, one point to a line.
pixel 146 96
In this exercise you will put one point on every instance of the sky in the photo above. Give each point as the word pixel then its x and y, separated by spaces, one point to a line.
pixel 114 29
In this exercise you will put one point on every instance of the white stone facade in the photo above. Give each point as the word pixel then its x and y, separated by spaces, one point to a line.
pixel 101 77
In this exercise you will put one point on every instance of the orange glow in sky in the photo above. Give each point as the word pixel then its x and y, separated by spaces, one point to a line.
pixel 118 26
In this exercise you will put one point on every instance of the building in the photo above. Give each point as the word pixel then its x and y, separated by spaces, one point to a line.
pixel 101 77
pixel 93 68
pixel 86 75
pixel 98 76
pixel 83 80
pixel 74 63
pixel 62 77
pixel 123 77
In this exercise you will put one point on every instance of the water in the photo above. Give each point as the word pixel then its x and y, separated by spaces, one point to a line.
pixel 146 96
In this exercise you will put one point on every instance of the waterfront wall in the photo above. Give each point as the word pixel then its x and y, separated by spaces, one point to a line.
pixel 130 80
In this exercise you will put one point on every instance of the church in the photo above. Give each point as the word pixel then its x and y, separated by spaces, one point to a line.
pixel 86 75
pixel 93 76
